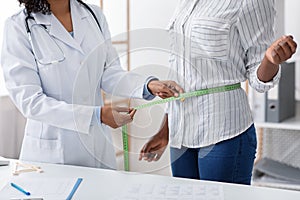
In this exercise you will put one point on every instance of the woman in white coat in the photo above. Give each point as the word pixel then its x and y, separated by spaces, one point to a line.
pixel 44 48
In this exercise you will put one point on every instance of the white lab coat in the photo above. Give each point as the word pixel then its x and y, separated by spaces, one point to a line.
pixel 58 100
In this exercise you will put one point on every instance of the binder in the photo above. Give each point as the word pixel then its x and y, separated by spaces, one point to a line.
pixel 280 101
pixel 272 173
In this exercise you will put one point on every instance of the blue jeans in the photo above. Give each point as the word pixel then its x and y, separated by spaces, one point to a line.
pixel 227 161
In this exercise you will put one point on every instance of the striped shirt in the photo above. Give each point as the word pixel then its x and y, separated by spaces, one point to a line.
pixel 216 43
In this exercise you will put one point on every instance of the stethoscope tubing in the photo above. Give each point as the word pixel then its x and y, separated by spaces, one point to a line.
pixel 30 17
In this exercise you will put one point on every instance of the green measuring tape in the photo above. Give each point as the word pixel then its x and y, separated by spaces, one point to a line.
pixel 162 101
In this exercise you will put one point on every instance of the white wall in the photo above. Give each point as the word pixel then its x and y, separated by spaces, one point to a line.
pixel 291 21
pixel 288 24
pixel 10 7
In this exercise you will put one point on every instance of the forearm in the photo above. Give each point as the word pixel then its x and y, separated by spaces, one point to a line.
pixel 279 52
pixel 124 84
pixel 164 129
pixel 267 70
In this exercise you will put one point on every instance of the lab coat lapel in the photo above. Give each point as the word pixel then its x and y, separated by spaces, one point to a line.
pixel 80 21
pixel 57 30
pixel 83 83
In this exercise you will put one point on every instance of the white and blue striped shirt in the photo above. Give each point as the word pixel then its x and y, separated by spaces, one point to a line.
pixel 216 43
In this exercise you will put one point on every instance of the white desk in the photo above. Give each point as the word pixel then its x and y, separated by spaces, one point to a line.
pixel 102 184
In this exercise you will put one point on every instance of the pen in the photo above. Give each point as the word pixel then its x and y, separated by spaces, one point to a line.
pixel 20 189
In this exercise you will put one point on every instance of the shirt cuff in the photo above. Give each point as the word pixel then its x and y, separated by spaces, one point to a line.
pixel 147 95
pixel 271 83
pixel 96 119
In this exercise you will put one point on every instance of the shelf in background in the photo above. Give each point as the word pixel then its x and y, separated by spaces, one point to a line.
pixel 290 124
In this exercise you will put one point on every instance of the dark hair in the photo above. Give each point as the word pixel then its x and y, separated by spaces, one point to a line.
pixel 35 6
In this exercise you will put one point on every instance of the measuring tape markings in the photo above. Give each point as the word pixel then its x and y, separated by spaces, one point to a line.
pixel 162 101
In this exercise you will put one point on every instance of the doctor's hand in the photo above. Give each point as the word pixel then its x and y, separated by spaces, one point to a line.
pixel 164 89
pixel 281 50
pixel 116 117
pixel 155 147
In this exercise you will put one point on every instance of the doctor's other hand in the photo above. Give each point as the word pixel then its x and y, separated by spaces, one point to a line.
pixel 281 50
pixel 164 89
pixel 116 117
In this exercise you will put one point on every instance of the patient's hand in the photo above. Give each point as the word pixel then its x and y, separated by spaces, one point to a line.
pixel 164 89
pixel 155 147
pixel 281 50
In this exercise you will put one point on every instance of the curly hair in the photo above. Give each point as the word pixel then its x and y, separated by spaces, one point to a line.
pixel 35 6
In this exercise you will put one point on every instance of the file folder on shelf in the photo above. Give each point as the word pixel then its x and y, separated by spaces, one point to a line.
pixel 280 101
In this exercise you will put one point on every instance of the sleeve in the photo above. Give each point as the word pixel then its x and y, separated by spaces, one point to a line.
pixel 115 80
pixel 25 89
pixel 256 28
pixel 147 95
pixel 97 116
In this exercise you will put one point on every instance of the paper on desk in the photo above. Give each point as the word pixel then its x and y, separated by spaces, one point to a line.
pixel 172 192
pixel 47 188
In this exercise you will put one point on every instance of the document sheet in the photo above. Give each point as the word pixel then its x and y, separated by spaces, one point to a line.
pixel 172 192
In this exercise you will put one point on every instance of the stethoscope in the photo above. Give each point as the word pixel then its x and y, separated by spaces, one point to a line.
pixel 61 56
